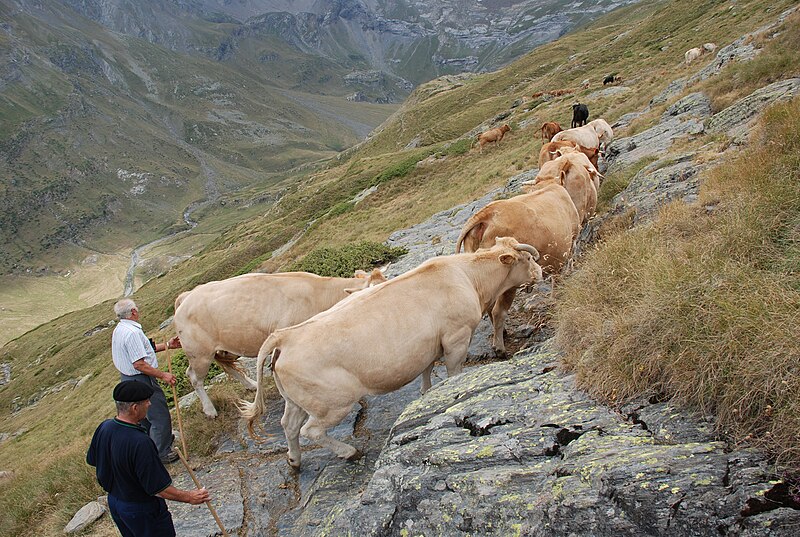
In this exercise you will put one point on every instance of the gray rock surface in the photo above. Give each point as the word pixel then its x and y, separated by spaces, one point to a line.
pixel 684 118
pixel 659 183
pixel 734 120
pixel 85 516
pixel 514 449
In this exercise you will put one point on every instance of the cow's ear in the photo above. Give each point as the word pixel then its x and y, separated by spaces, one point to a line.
pixel 562 177
pixel 507 259
pixel 360 274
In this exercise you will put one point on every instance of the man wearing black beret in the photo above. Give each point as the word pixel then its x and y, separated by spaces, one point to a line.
pixel 130 470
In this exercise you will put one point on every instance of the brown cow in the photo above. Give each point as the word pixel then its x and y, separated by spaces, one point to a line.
pixel 549 129
pixel 383 338
pixel 492 135
pixel 225 319
pixel 545 218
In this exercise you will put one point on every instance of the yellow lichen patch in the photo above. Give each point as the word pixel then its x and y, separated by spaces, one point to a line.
pixel 486 451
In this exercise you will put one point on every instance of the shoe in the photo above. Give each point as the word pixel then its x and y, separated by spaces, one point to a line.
pixel 169 459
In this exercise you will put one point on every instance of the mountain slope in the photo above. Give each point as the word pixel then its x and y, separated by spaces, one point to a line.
pixel 421 165
pixel 126 122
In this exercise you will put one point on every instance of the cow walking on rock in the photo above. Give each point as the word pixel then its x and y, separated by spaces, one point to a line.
pixel 382 338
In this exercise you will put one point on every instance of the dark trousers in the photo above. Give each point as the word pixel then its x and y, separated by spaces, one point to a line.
pixel 159 422
pixel 148 519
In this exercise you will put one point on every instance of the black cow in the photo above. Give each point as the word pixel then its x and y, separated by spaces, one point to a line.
pixel 609 80
pixel 580 114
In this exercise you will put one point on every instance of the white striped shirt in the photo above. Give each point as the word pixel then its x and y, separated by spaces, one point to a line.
pixel 129 344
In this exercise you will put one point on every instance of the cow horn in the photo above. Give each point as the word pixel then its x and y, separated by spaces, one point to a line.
pixel 528 248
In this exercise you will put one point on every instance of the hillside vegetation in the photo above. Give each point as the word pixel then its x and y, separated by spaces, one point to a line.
pixel 421 163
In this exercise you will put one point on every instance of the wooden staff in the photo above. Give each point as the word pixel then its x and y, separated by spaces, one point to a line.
pixel 177 405
pixel 198 485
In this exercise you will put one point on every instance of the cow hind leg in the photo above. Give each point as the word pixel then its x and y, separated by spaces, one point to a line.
pixel 196 372
pixel 499 316
pixel 316 429
pixel 292 421
pixel 455 347
pixel 426 379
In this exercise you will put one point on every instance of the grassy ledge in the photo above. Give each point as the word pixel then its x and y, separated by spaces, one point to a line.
pixel 704 305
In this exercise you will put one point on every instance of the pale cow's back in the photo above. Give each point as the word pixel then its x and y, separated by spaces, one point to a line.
pixel 585 136
pixel 577 181
pixel 240 312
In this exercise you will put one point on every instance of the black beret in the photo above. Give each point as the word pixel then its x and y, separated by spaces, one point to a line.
pixel 130 391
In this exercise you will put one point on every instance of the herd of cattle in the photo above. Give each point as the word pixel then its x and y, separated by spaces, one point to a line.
pixel 331 341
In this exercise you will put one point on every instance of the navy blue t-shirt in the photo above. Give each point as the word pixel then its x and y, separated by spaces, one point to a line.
pixel 127 462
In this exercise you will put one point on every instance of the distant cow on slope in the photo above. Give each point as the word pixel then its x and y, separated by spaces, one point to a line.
pixel 492 135
pixel 580 115
pixel 550 129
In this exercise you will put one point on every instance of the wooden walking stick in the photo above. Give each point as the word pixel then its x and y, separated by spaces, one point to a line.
pixel 198 485
pixel 177 405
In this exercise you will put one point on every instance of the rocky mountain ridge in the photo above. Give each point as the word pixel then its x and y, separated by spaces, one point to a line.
pixel 408 42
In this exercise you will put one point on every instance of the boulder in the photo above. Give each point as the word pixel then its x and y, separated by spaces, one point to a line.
pixel 84 517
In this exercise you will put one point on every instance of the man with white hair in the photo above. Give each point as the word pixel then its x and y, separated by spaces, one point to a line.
pixel 134 356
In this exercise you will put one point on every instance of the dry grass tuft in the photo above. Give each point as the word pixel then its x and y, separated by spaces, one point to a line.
pixel 703 306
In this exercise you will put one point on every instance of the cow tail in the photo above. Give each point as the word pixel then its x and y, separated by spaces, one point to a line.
pixel 252 411
pixel 474 229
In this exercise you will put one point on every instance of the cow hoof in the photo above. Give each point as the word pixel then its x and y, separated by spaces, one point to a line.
pixel 500 354
pixel 293 463
pixel 355 456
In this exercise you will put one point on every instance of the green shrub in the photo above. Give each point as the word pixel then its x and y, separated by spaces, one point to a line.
pixel 345 260
pixel 179 364
pixel 400 169
pixel 252 265
pixel 341 208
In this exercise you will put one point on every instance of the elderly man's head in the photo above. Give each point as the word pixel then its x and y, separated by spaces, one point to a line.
pixel 124 309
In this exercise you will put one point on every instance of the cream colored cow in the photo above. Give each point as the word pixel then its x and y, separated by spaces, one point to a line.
pixel 383 338
pixel 590 136
pixel 223 320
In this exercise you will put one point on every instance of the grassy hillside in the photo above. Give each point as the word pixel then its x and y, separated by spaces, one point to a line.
pixel 644 43
pixel 106 142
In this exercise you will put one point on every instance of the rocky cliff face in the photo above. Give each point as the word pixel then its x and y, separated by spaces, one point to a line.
pixel 406 40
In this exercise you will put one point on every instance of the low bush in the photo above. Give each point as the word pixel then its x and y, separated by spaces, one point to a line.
pixel 179 364
pixel 343 261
